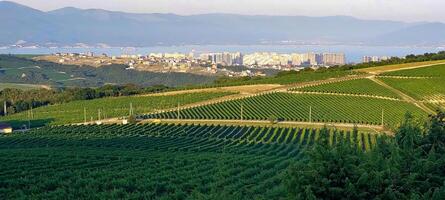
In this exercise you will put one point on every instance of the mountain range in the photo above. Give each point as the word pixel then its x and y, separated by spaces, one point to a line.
pixel 69 26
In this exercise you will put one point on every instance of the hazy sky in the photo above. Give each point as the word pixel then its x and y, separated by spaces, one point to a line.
pixel 404 10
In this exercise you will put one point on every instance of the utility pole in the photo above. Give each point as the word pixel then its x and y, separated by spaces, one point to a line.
pixel 29 119
pixel 98 115
pixel 242 111
pixel 84 115
pixel 383 115
pixel 310 114
pixel 5 112
pixel 32 113
pixel 131 109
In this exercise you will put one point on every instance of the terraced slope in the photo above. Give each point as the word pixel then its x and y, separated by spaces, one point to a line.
pixel 301 107
pixel 154 161
pixel 362 86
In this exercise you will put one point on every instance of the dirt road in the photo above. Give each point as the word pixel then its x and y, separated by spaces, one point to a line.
pixel 341 126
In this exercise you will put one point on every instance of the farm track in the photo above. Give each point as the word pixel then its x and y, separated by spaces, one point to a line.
pixel 374 128
pixel 345 94
pixel 242 90
pixel 405 77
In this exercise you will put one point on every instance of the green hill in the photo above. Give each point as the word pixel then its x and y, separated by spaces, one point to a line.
pixel 74 112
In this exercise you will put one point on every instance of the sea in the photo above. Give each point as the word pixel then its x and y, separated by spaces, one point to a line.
pixel 354 53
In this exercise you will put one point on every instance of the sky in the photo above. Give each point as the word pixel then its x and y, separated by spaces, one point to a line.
pixel 398 10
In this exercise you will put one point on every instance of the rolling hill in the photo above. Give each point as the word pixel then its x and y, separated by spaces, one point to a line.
pixel 70 25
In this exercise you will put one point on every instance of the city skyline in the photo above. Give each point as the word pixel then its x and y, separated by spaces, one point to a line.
pixel 407 10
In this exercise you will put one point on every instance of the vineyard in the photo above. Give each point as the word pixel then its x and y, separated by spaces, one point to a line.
pixel 357 87
pixel 301 107
pixel 431 89
pixel 433 71
pixel 425 84
pixel 155 161
pixel 75 112
pixel 292 78
pixel 437 106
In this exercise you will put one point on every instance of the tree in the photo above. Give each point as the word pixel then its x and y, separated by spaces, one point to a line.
pixel 408 166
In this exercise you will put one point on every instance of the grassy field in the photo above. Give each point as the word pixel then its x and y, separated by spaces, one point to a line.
pixel 73 112
pixel 155 161
pixel 21 86
pixel 296 107
pixel 358 86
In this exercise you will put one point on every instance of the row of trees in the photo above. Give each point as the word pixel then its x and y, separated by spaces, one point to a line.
pixel 410 165
pixel 19 100
pixel 396 60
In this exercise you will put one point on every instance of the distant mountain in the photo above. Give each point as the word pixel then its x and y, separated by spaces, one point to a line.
pixel 70 25
pixel 430 33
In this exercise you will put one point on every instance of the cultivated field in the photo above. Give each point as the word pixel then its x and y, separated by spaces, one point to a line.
pixel 432 71
pixel 155 161
pixel 223 143
pixel 432 89
pixel 425 84
pixel 362 86
pixel 398 67
pixel 75 112
pixel 301 107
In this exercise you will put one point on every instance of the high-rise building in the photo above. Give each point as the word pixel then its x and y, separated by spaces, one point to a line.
pixel 368 59
pixel 226 58
pixel 334 59
pixel 312 58
pixel 297 59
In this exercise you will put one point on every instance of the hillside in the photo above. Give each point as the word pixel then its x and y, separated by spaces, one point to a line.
pixel 218 144
pixel 16 69
pixel 338 97
pixel 96 26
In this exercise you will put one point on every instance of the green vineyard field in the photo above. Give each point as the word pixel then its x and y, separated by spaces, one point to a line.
pixel 155 161
pixel 429 89
pixel 436 106
pixel 287 79
pixel 358 86
pixel 433 71
pixel 73 112
pixel 296 107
